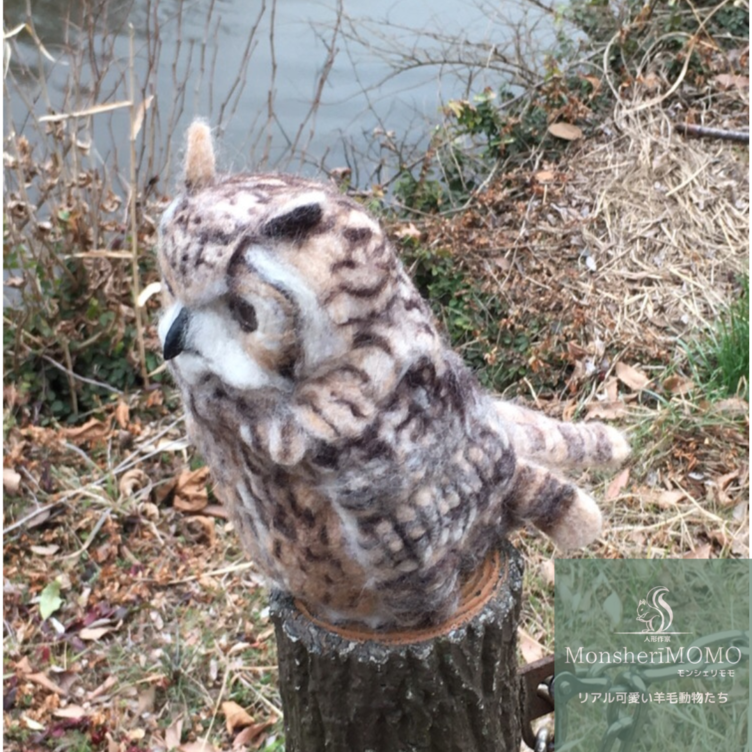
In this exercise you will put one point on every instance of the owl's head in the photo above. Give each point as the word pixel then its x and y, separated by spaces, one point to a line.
pixel 265 277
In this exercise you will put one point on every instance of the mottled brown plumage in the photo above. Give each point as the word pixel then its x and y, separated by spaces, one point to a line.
pixel 365 468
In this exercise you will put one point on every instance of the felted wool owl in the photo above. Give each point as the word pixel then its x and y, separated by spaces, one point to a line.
pixel 366 470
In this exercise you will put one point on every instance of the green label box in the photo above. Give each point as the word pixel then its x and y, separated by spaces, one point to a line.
pixel 652 655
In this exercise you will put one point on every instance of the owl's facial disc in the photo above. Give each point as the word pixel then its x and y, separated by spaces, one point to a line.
pixel 215 340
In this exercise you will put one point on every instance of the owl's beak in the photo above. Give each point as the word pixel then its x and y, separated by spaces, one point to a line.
pixel 174 342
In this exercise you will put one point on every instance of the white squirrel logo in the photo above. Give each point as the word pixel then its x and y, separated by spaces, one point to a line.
pixel 654 610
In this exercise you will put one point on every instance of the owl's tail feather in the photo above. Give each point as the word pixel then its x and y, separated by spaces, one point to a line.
pixel 200 165
pixel 558 444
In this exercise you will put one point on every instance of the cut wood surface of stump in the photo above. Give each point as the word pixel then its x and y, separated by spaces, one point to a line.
pixel 449 688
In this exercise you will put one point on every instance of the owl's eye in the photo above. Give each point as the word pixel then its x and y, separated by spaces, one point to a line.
pixel 244 313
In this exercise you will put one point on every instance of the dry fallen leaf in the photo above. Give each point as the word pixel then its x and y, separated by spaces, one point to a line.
pixel 42 680
pixel 174 732
pixel 93 633
pixel 32 724
pixel 132 481
pixel 575 351
pixel 700 552
pixel 45 550
pixel 544 176
pixel 202 528
pixel 11 480
pixel 146 699
pixel 567 131
pixel 632 377
pixel 93 430
pixel 606 410
pixel 732 406
pixel 547 570
pixel 595 82
pixel 102 553
pixel 638 537
pixel 122 413
pixel 730 81
pixel 190 490
pixel 611 388
pixel 617 485
pixel 39 518
pixel 103 688
pixel 530 648
pixel 740 545
pixel 503 263
pixel 65 679
pixel 723 480
pixel 71 711
pixel 720 537
pixel 139 116
pixel 717 488
pixel 679 385
pixel 251 733
pixel 668 499
pixel 235 716
pixel 198 746
pixel 408 232
pixel 216 510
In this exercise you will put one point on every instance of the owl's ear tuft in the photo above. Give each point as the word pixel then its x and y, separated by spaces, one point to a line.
pixel 296 221
pixel 199 157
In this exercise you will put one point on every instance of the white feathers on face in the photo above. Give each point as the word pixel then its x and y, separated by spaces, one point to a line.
pixel 317 336
pixel 209 340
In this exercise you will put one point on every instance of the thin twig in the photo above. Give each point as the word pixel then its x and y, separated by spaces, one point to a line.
pixel 82 454
pixel 214 573
pixel 135 284
pixel 29 517
pixel 92 535
pixel 217 705
pixel 80 378
pixel 703 131
pixel 269 704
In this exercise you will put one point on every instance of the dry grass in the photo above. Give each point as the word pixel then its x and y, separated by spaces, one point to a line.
pixel 669 229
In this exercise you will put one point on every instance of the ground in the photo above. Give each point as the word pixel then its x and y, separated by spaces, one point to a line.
pixel 133 620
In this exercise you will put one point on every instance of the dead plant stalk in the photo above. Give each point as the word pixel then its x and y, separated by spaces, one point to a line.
pixel 133 210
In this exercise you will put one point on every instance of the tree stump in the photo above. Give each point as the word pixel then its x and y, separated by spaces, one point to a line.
pixel 450 688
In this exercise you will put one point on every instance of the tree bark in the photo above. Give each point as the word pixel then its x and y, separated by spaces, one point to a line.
pixel 451 688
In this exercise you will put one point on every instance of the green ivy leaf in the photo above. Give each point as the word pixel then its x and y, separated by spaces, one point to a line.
pixel 50 600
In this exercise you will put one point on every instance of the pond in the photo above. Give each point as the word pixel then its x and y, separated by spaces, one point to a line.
pixel 294 85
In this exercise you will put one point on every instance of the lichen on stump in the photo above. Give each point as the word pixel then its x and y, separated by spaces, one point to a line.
pixel 449 688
